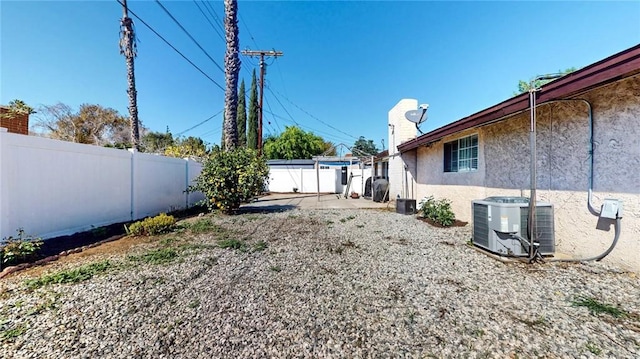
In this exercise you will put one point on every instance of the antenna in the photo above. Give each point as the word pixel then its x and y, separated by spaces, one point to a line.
pixel 417 116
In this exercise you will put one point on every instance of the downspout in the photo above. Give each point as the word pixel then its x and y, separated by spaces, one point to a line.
pixel 531 219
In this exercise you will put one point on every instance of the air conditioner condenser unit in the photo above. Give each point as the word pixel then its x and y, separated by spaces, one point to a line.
pixel 499 221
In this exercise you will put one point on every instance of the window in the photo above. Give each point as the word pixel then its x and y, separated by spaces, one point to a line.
pixel 324 167
pixel 461 155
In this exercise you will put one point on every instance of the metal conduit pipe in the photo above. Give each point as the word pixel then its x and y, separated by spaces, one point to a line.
pixel 592 209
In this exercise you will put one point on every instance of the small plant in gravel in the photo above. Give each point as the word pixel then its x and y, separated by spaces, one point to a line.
pixel 349 244
pixel 75 275
pixel 194 304
pixel 411 316
pixel 152 226
pixel 534 322
pixel 18 249
pixel 348 218
pixel 438 211
pixel 595 307
pixel 593 348
pixel 204 225
pixel 10 334
pixel 259 246
pixel 276 269
pixel 165 242
pixel 232 243
pixel 158 256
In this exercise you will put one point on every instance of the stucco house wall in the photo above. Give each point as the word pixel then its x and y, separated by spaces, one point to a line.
pixel 562 168
pixel 401 130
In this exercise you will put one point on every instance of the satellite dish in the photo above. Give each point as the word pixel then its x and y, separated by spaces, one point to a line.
pixel 417 116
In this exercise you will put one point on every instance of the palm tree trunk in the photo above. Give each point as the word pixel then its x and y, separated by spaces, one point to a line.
pixel 231 71
pixel 128 49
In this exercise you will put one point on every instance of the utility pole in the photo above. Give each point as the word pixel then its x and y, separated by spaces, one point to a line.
pixel 128 49
pixel 262 54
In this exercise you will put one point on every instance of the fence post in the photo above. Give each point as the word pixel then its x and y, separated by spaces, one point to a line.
pixel 133 184
pixel 186 181
pixel 4 198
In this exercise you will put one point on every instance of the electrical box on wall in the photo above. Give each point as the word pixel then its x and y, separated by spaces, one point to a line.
pixel 611 208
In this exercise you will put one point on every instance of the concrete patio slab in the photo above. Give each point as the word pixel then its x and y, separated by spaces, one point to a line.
pixel 312 201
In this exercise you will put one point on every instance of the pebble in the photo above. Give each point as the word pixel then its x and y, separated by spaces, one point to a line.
pixel 331 283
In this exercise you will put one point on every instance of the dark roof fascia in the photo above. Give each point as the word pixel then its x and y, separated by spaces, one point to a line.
pixel 613 68
pixel 291 162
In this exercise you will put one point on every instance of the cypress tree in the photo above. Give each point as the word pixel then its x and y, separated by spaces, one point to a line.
pixel 242 116
pixel 252 130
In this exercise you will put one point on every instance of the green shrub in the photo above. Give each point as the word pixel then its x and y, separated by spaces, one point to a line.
pixel 158 256
pixel 152 226
pixel 17 249
pixel 229 178
pixel 438 211
pixel 75 275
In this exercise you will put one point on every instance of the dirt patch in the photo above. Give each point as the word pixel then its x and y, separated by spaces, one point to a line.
pixel 96 242
pixel 456 223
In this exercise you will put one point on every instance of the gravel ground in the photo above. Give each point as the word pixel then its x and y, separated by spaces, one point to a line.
pixel 330 283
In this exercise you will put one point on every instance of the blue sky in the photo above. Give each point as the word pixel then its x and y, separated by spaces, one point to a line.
pixel 345 63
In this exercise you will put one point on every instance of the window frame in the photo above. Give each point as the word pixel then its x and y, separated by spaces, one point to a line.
pixel 467 147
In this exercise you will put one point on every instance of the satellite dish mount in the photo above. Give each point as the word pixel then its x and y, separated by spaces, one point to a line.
pixel 417 116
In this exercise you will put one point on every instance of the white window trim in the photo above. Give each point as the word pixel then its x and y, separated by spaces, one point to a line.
pixel 477 158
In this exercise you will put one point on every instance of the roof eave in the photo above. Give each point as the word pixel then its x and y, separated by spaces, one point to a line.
pixel 613 68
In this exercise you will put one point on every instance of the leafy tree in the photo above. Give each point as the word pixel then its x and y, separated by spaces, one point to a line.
pixel 188 147
pixel 231 70
pixel 524 86
pixel 364 147
pixel 229 178
pixel 91 124
pixel 156 142
pixel 293 143
pixel 328 149
pixel 242 116
pixel 252 129
pixel 18 107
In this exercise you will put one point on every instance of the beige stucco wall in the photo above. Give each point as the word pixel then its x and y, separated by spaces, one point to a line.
pixel 562 165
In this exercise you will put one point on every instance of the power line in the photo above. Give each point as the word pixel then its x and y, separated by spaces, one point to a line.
pixel 210 23
pixel 274 119
pixel 188 34
pixel 199 124
pixel 281 77
pixel 173 47
pixel 284 108
pixel 218 31
pixel 310 115
pixel 214 15
pixel 248 31
pixel 325 134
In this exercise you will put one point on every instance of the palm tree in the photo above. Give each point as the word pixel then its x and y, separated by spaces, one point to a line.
pixel 128 48
pixel 231 71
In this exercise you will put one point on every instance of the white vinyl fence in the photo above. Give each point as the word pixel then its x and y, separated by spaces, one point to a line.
pixel 52 188
pixel 305 180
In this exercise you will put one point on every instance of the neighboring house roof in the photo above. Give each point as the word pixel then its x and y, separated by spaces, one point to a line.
pixel 290 162
pixel 616 67
pixel 383 154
